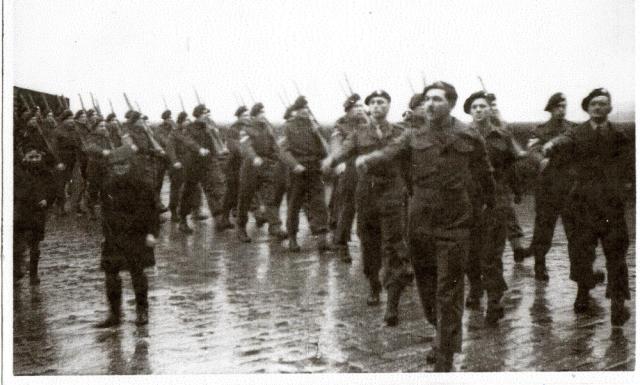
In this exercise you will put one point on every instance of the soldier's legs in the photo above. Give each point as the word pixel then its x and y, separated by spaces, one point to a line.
pixel 295 200
pixel 615 243
pixel 34 258
pixel 346 207
pixel 213 187
pixel 514 232
pixel 492 272
pixel 20 244
pixel 582 254
pixel 177 181
pixel 473 269
pixel 248 187
pixel 233 179
pixel 267 190
pixel 113 290
pixel 160 171
pixel 141 290
pixel 316 206
pixel 193 176
pixel 548 206
pixel 370 235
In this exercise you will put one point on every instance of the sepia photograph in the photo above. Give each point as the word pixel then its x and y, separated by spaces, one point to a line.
pixel 358 192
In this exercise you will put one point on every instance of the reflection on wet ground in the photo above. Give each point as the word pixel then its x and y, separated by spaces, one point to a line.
pixel 218 307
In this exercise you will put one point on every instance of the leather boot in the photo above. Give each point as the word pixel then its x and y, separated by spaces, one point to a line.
pixel 540 269
pixel 184 226
pixel 114 296
pixel 222 223
pixel 293 244
pixel 33 267
pixel 581 304
pixel 374 292
pixel 473 297
pixel 444 362
pixel 276 232
pixel 343 253
pixel 394 291
pixel 619 313
pixel 141 290
pixel 495 311
pixel 520 253
pixel 241 233
pixel 323 244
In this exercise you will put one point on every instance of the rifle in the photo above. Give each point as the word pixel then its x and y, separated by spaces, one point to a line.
pixel 253 99
pixel 111 105
pixel 126 100
pixel 82 104
pixel 315 126
pixel 282 101
pixel 197 96
pixel 424 79
pixel 165 103
pixel 60 103
pixel 346 79
pixel 94 104
pixel 219 146
pixel 413 90
pixel 346 94
pixel 46 104
pixel 139 109
pixel 24 101
pixel 64 102
pixel 35 106
pixel 98 109
pixel 182 103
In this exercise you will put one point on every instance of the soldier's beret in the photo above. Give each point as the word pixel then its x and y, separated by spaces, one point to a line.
pixel 200 110
pixel 554 100
pixel 134 116
pixel 166 114
pixel 66 114
pixel 256 109
pixel 241 110
pixel 287 113
pixel 301 102
pixel 449 91
pixel 377 94
pixel 415 101
pixel 127 114
pixel 79 113
pixel 96 122
pixel 145 117
pixel 90 112
pixel 182 116
pixel 594 94
pixel 472 98
pixel 350 102
pixel 111 116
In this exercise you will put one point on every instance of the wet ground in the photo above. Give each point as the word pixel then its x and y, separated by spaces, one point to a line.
pixel 218 306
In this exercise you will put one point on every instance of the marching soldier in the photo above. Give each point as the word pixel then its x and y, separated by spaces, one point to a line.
pixel 596 202
pixel 99 146
pixel 554 183
pixel 130 226
pixel 303 150
pixel 445 155
pixel 202 147
pixel 258 172
pixel 380 197
pixel 34 192
pixel 345 192
pixel 176 154
pixel 67 142
pixel 232 167
pixel 115 129
pixel 82 129
pixel 494 220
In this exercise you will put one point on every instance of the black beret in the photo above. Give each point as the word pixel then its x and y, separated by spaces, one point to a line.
pixel 134 116
pixel 166 114
pixel 127 114
pixel 182 116
pixel 256 109
pixel 200 110
pixel 377 94
pixel 415 101
pixel 301 102
pixel 79 113
pixel 350 102
pixel 66 114
pixel 111 116
pixel 554 100
pixel 449 91
pixel 145 117
pixel 287 113
pixel 90 112
pixel 594 94
pixel 241 110
pixel 472 97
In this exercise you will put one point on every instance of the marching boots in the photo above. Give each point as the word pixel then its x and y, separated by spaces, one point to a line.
pixel 293 244
pixel 473 297
pixel 540 269
pixel 495 311
pixel 33 267
pixel 184 226
pixel 276 232
pixel 374 292
pixel 619 313
pixel 175 218
pixel 323 244
pixel 444 362
pixel 343 253
pixel 141 290
pixel 222 223
pixel 394 291
pixel 114 296
pixel 581 304
pixel 241 233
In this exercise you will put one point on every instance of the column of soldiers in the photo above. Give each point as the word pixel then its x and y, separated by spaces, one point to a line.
pixel 433 197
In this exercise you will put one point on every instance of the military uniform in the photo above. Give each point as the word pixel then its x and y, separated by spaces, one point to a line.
pixel 444 159
pixel 83 161
pixel 68 145
pixel 232 166
pixel 202 169
pixel 380 200
pixel 552 189
pixel 256 140
pixel 597 205
pixel 97 142
pixel 303 146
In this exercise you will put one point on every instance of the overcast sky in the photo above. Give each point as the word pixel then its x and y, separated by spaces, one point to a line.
pixel 525 51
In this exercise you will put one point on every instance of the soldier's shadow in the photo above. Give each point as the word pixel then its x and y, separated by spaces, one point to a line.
pixel 117 363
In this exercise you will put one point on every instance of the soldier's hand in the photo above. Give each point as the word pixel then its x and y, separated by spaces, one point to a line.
pixel 257 161
pixel 106 152
pixel 203 151
pixel 177 165
pixel 341 168
pixel 546 149
pixel 299 169
pixel 150 240
pixel 361 161
pixel 42 203
pixel 60 167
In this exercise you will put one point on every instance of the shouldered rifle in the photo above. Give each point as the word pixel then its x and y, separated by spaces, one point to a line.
pixel 111 106
pixel 165 103
pixel 82 104
pixel 182 103
pixel 95 105
pixel 24 101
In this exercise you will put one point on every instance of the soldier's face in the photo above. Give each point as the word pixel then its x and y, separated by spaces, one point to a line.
pixel 436 105
pixel 379 107
pixel 244 115
pixel 82 118
pixel 356 110
pixel 599 107
pixel 419 110
pixel 101 128
pixel 559 111
pixel 480 110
